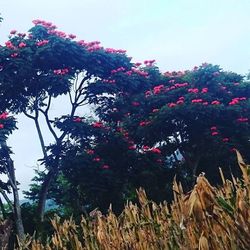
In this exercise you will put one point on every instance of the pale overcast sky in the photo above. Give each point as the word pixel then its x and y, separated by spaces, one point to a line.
pixel 179 34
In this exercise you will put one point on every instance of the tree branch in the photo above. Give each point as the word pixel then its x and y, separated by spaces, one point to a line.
pixel 45 113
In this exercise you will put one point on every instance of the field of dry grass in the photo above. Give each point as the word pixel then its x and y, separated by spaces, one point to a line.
pixel 205 218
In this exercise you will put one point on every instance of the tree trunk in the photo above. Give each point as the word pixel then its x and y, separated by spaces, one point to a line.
pixel 18 216
pixel 44 192
pixel 12 179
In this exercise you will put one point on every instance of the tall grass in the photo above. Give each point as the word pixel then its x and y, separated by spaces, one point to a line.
pixel 205 218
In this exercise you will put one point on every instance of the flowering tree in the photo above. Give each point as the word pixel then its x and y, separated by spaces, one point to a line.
pixel 151 127
pixel 195 117
pixel 38 67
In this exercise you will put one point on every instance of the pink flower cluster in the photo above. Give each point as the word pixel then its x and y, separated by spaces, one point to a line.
pixel 180 100
pixel 193 90
pixel 94 47
pixel 14 55
pixel 155 110
pixel 138 64
pixel 1 126
pixel 135 104
pixel 171 105
pixel 204 90
pixel 140 72
pixel 158 89
pixel 13 32
pixel 117 70
pixel 9 45
pixel 156 150
pixel 114 51
pixel 144 123
pixel 149 63
pixel 61 71
pixel 236 100
pixel 105 167
pixel 145 147
pixel 197 101
pixel 215 103
pixel 42 43
pixel 4 116
pixel 242 119
pixel 132 147
pixel 179 85
pixel 214 131
pixel 108 81
pixel 22 45
pixel 82 43
pixel 90 151
pixel 45 24
pixel 77 119
pixel 97 125
pixel 57 33
pixel 71 36
pixel 174 73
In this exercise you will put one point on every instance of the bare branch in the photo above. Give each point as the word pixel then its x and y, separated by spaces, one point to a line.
pixel 45 113
pixel 29 116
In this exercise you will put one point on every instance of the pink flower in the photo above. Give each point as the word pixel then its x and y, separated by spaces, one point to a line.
pixel 205 103
pixel 242 119
pixel 97 125
pixel 77 119
pixel 145 147
pixel 242 98
pixel 4 116
pixel 214 133
pixel 158 89
pixel 1 126
pixel 97 159
pixel 42 43
pixel 135 104
pixel 137 64
pixel 9 45
pixel 171 105
pixel 22 45
pixel 215 102
pixel 105 167
pixel 90 152
pixel 213 128
pixel 204 90
pixel 194 90
pixel 156 150
pixel 14 55
pixel 61 71
pixel 155 110
pixel 197 101
pixel 225 139
pixel 180 102
pixel 71 36
pixel 13 32
pixel 144 123
pixel 132 147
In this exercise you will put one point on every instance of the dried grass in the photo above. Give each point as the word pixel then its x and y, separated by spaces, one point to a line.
pixel 205 218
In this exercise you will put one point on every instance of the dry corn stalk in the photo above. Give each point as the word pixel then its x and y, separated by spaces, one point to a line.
pixel 205 218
